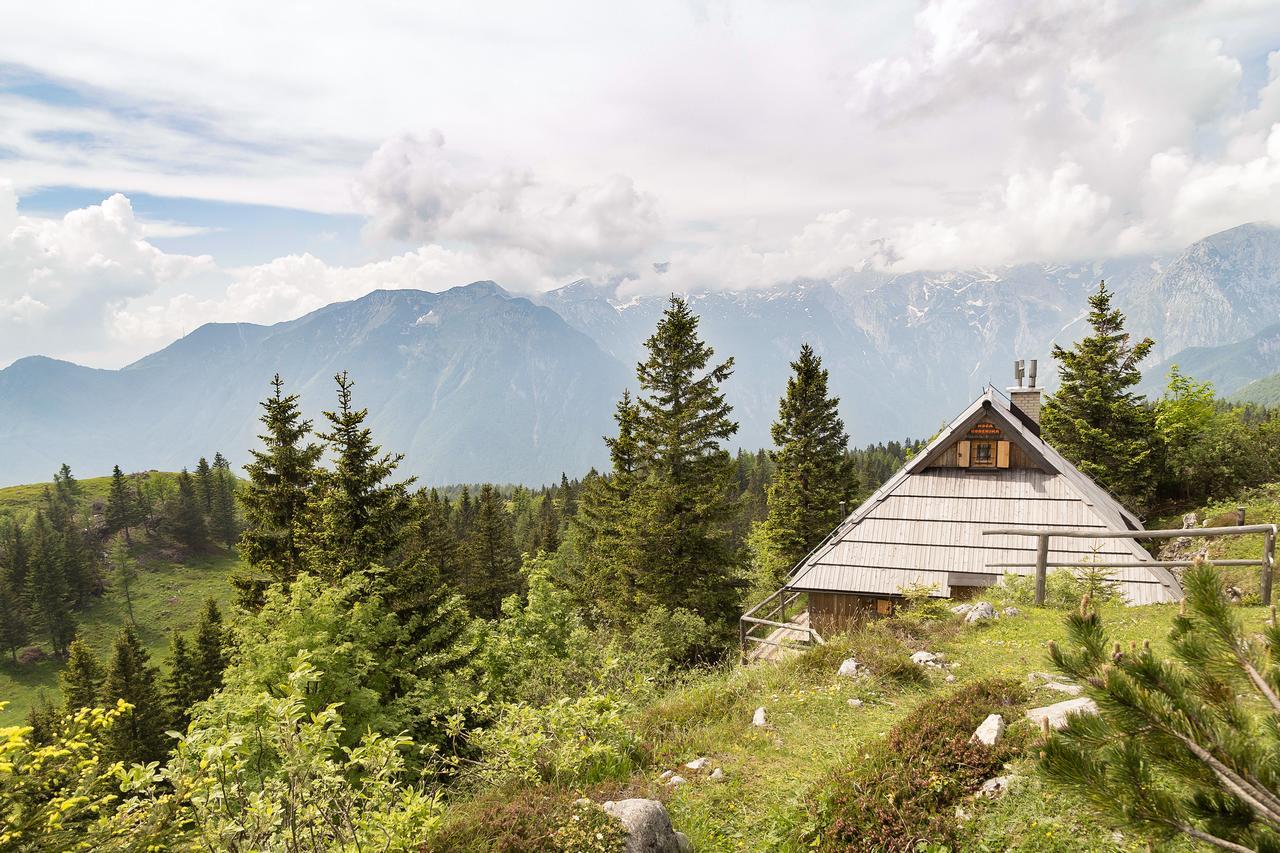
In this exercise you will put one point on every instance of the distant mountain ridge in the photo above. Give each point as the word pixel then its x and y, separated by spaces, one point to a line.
pixel 477 384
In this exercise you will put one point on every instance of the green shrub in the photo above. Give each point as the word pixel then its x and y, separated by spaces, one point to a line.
pixel 875 646
pixel 531 820
pixel 570 741
pixel 902 792
pixel 1063 588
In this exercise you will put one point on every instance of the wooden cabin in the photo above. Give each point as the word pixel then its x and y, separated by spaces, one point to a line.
pixel 924 527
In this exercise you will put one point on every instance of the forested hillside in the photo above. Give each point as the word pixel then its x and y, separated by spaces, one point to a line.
pixel 479 668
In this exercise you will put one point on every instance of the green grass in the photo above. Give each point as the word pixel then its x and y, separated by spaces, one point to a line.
pixel 1262 506
pixel 167 595
pixel 812 730
pixel 21 501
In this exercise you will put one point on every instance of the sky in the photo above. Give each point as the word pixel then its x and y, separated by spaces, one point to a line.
pixel 164 165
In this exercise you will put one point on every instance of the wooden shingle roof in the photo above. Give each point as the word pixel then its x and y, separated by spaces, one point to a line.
pixel 924 525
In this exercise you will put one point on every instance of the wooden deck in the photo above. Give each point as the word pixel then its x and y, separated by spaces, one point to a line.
pixel 783 641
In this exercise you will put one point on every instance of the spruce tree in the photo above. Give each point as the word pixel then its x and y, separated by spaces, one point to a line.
pixel 360 515
pixel 81 678
pixel 122 505
pixel 1185 745
pixel 222 520
pixel 432 539
pixel 186 519
pixel 178 688
pixel 209 655
pixel 813 477
pixel 677 536
pixel 15 628
pixel 568 497
pixel 47 592
pixel 16 555
pixel 61 506
pixel 204 485
pixel 492 562
pixel 139 735
pixel 275 498
pixel 1095 419
pixel 547 536
pixel 125 569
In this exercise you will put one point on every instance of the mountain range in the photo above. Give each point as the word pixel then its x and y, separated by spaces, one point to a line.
pixel 475 383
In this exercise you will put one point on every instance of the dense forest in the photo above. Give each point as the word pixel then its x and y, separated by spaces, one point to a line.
pixel 393 647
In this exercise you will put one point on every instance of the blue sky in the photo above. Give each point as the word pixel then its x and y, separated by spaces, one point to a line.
pixel 164 165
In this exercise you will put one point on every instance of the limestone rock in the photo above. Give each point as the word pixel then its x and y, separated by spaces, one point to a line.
pixel 854 703
pixel 758 719
pixel 1011 611
pixel 961 609
pixel 924 658
pixel 990 731
pixel 949 678
pixel 1062 687
pixel 1058 713
pixel 980 612
pixel 991 788
pixel 667 774
pixel 698 763
pixel 717 775
pixel 677 781
pixel 648 827
pixel 849 668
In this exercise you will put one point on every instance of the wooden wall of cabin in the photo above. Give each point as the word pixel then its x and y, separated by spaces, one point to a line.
pixel 1017 458
pixel 830 612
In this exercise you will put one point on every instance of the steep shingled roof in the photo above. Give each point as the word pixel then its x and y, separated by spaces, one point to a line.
pixel 924 525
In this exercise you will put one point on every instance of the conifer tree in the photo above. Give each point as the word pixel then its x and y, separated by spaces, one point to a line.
pixel 139 735
pixel 359 517
pixel 61 506
pixel 493 565
pixel 547 536
pixel 1094 419
pixel 432 540
pixel 47 591
pixel 222 520
pixel 209 655
pixel 187 519
pixel 15 550
pixel 1183 746
pixel 179 689
pixel 204 485
pixel 122 506
pixel 125 569
pixel 677 534
pixel 81 678
pixel 568 497
pixel 15 629
pixel 274 500
pixel 813 476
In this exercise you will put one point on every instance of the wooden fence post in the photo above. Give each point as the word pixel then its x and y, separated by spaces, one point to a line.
pixel 1239 516
pixel 1042 568
pixel 1268 563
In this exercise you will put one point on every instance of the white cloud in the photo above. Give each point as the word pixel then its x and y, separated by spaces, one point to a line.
pixel 412 189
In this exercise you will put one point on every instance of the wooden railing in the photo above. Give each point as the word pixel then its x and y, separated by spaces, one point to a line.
pixel 770 623
pixel 1042 564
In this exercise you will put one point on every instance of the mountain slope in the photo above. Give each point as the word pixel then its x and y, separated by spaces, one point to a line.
pixel 471 384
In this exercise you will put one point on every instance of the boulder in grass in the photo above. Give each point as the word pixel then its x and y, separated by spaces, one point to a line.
pixel 648 827
pixel 677 781
pixel 758 718
pixel 990 731
pixel 717 775
pixel 993 788
pixel 961 609
pixel 849 668
pixel 1010 611
pixel 698 763
pixel 981 612
pixel 1062 687
pixel 1058 714
pixel 925 659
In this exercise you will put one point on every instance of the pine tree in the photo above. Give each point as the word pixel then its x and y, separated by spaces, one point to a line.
pixel 568 497
pixel 492 563
pixel 209 656
pixel 47 593
pixel 81 678
pixel 548 530
pixel 16 555
pixel 677 545
pixel 122 505
pixel 274 501
pixel 125 569
pixel 813 479
pixel 186 518
pixel 139 735
pixel 222 520
pixel 432 540
pixel 61 506
pixel 359 517
pixel 178 688
pixel 1183 746
pixel 204 485
pixel 15 628
pixel 1094 419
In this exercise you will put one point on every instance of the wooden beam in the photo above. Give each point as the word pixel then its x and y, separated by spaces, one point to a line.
pixel 1042 564
pixel 1268 565
pixel 1086 533
pixel 1135 564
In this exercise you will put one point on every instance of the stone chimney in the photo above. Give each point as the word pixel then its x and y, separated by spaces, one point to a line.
pixel 1026 397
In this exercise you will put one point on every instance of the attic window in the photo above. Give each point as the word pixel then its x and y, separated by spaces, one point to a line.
pixel 983 448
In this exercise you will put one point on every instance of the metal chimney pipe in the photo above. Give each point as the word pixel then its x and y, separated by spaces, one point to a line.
pixel 1031 374
pixel 1017 373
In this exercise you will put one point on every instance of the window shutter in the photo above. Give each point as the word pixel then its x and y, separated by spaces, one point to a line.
pixel 1002 454
pixel 962 454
